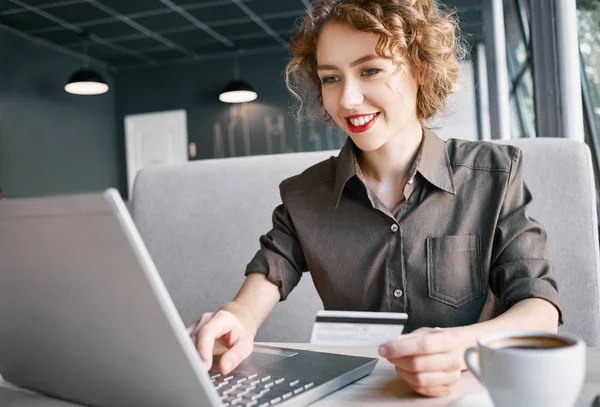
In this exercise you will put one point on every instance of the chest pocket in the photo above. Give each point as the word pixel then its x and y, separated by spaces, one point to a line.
pixel 454 270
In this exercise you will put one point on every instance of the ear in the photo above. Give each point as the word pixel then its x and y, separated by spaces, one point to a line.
pixel 417 75
pixel 410 69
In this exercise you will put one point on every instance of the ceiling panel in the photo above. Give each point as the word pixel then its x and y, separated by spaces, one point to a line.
pixel 163 21
pixel 264 7
pixel 76 13
pixel 63 37
pixel 217 13
pixel 26 21
pixel 166 55
pixel 209 49
pixel 123 60
pixel 140 43
pixel 239 29
pixel 5 6
pixel 223 16
pixel 133 6
pixel 111 30
pixel 190 38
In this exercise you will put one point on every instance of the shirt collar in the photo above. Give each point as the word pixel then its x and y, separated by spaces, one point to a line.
pixel 346 169
pixel 432 163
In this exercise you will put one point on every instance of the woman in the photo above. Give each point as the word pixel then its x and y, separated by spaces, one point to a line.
pixel 400 221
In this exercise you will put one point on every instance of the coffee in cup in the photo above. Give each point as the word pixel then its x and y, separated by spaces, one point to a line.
pixel 529 368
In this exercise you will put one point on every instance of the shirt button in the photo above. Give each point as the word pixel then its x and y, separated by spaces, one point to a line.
pixel 397 293
pixel 394 228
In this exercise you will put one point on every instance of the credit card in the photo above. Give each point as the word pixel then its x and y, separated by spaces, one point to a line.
pixel 357 328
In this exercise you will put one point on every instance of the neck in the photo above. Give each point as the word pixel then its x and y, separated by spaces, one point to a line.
pixel 395 158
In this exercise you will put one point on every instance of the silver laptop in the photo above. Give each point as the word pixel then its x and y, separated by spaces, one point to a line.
pixel 86 318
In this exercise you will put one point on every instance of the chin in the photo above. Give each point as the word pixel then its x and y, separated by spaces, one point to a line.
pixel 367 144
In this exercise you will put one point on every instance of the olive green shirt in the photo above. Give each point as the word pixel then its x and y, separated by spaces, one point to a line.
pixel 463 230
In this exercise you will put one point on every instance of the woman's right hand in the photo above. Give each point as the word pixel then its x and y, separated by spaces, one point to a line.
pixel 228 332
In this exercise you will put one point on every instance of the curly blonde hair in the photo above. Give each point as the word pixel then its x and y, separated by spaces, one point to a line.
pixel 412 32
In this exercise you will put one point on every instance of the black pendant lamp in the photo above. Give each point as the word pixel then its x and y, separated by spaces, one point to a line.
pixel 86 81
pixel 237 91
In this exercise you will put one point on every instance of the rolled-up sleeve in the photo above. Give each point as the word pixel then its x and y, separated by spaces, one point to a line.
pixel 280 256
pixel 520 265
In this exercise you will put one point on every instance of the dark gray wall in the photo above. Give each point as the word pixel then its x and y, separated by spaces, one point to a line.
pixel 195 86
pixel 51 142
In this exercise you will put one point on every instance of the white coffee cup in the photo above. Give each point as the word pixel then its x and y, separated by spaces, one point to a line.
pixel 529 368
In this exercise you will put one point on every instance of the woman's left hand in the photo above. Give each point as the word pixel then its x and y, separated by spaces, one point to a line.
pixel 429 359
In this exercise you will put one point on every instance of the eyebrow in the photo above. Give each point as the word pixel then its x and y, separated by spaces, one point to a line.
pixel 352 65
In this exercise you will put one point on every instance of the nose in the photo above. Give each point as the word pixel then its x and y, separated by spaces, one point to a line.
pixel 351 96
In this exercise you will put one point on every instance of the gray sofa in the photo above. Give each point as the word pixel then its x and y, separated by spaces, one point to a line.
pixel 201 222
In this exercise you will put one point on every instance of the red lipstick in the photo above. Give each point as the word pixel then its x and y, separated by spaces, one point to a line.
pixel 362 128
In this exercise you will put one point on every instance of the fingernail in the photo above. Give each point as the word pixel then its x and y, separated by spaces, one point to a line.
pixel 383 351
pixel 206 365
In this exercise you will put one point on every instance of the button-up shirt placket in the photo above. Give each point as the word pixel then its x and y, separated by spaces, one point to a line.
pixel 397 272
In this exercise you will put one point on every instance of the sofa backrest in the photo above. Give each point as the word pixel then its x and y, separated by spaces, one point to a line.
pixel 201 222
pixel 560 176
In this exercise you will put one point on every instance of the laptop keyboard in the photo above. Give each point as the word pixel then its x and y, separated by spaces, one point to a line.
pixel 254 390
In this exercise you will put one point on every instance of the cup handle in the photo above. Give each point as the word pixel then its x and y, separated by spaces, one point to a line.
pixel 473 367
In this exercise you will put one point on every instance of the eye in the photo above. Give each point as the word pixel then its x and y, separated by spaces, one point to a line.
pixel 329 79
pixel 371 72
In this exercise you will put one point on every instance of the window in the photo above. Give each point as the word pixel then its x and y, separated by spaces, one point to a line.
pixel 589 47
pixel 518 58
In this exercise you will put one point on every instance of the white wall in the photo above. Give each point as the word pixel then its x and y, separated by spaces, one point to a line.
pixel 459 119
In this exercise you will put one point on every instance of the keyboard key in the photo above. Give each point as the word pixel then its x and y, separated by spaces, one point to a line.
pixel 264 379
pixel 299 390
pixel 295 382
pixel 252 376
pixel 253 396
pixel 242 380
pixel 287 395
pixel 277 381
pixel 214 376
pixel 264 404
pixel 309 385
pixel 275 400
pixel 270 384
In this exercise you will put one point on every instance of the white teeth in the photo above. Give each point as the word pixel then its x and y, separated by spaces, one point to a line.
pixel 362 120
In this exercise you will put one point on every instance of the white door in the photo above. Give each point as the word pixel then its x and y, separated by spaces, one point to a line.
pixel 155 139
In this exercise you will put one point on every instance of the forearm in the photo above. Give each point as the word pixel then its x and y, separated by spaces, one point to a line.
pixel 254 301
pixel 530 314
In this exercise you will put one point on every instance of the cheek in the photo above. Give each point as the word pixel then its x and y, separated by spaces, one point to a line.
pixel 329 103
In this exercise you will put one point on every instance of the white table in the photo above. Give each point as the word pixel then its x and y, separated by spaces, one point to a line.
pixel 384 388
pixel 381 388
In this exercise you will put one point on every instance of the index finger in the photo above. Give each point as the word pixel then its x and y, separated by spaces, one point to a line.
pixel 417 344
pixel 208 333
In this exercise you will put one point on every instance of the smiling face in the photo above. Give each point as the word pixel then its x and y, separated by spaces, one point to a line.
pixel 362 91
